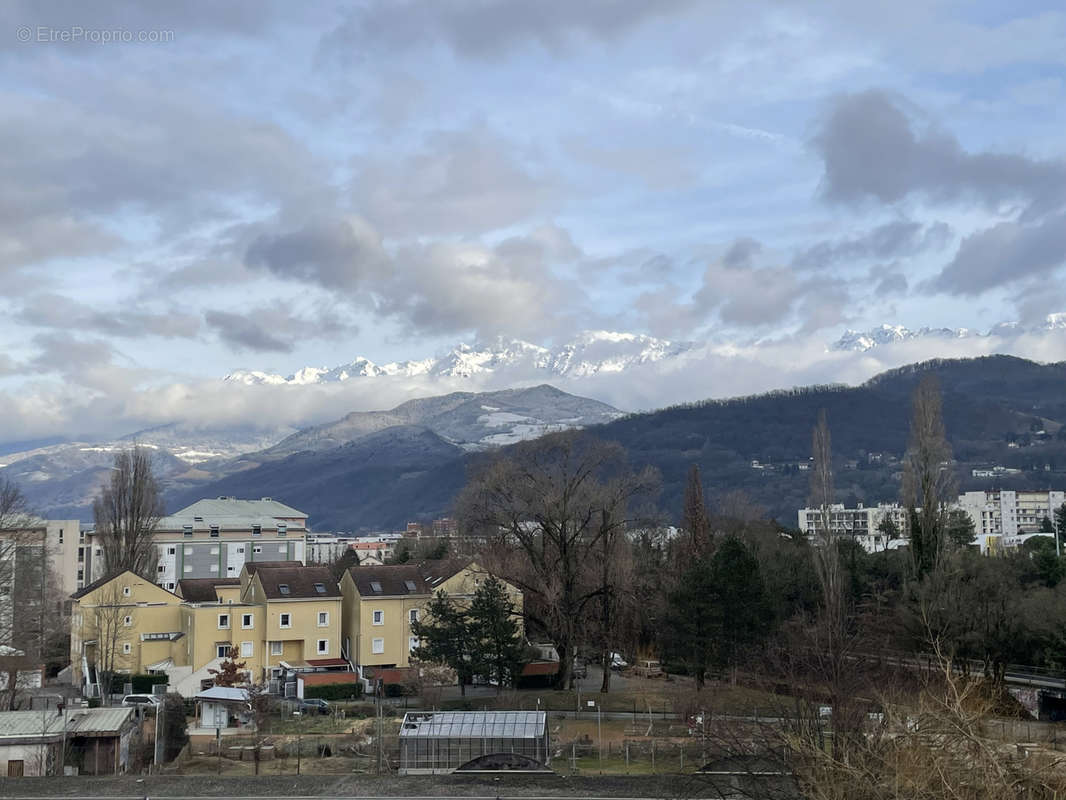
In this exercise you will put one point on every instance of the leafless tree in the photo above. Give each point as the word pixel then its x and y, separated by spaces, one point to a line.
pixel 928 478
pixel 107 626
pixel 127 512
pixel 14 510
pixel 552 502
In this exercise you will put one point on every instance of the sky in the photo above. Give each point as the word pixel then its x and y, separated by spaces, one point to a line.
pixel 195 187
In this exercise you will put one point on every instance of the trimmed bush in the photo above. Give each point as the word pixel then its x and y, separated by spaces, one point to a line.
pixel 334 691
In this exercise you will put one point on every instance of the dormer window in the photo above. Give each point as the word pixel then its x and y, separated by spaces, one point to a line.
pixel 410 586
pixel 214 531
pixel 257 530
pixel 320 588
pixel 283 588
pixel 282 529
pixel 186 531
pixel 375 587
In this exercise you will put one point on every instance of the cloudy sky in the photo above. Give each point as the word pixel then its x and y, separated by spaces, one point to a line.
pixel 269 186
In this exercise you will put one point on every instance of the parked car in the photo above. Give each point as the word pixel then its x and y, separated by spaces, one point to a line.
pixel 617 662
pixel 314 706
pixel 134 700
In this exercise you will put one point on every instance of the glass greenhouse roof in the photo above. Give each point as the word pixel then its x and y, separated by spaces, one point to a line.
pixel 474 724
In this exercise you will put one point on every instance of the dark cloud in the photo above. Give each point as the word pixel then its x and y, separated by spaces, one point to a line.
pixel 891 240
pixel 875 145
pixel 335 254
pixel 741 253
pixel 252 331
pixel 1003 254
pixel 491 28
pixel 48 310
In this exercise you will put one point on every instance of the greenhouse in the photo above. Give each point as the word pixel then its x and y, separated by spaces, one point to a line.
pixel 433 742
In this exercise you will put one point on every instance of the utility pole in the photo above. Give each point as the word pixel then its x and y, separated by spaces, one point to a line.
pixel 378 693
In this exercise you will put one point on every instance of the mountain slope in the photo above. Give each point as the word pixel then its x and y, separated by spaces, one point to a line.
pixel 988 402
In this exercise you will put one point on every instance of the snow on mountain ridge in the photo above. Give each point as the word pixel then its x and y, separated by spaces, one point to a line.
pixel 861 341
pixel 587 354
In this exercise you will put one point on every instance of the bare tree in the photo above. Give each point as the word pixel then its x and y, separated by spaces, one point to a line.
pixel 928 478
pixel 14 510
pixel 551 502
pixel 107 627
pixel 127 512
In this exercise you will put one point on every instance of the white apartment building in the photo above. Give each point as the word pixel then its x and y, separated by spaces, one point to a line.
pixel 1009 513
pixel 214 538
pixel 861 524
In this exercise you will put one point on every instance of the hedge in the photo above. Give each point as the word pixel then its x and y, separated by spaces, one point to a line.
pixel 334 691
pixel 142 684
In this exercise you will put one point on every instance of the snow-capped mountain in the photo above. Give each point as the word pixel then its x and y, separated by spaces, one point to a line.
pixel 861 341
pixel 589 353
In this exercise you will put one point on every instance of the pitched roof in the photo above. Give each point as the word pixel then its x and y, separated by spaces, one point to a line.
pixel 224 693
pixel 202 590
pixel 91 587
pixel 439 570
pixel 389 580
pixel 297 582
pixel 252 566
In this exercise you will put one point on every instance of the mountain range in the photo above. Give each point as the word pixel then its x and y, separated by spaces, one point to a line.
pixel 589 353
pixel 861 341
pixel 997 409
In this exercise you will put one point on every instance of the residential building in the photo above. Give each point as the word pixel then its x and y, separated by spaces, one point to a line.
pixel 277 616
pixel 91 741
pixel 380 603
pixel 861 523
pixel 325 548
pixel 214 538
pixel 1010 513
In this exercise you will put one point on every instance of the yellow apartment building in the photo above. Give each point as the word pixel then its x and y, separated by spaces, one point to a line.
pixel 278 616
pixel 381 602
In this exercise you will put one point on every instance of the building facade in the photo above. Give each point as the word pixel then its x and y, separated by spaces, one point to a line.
pixel 214 539
pixel 381 603
pixel 861 523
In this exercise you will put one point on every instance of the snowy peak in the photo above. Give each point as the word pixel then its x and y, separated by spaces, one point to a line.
pixel 588 353
pixel 861 341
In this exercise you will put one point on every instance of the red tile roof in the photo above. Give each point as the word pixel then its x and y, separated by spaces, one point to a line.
pixel 327 678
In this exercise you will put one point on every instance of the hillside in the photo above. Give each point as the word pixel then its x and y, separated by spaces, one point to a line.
pixel 988 402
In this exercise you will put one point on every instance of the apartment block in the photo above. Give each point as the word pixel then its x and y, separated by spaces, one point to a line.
pixel 861 523
pixel 214 539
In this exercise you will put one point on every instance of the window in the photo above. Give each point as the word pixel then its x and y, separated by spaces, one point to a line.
pixel 214 531
pixel 231 569
pixel 412 643
pixel 223 621
pixel 282 530
pixel 323 647
pixel 81 554
pixel 125 591
pixel 275 648
pixel 126 648
pixel 379 617
pixel 186 531
pixel 197 519
pixel 323 619
pixel 412 615
pixel 410 586
pixel 285 621
pixel 61 536
pixel 377 646
pixel 283 588
pixel 375 587
pixel 188 549
pixel 246 649
pixel 257 530
pixel 241 550
pixel 222 650
pixel 127 620
pixel 257 549
pixel 188 568
pixel 171 551
pixel 213 568
pixel 283 549
pixel 161 568
pixel 320 588
pixel 170 586
pixel 247 621
pixel 214 550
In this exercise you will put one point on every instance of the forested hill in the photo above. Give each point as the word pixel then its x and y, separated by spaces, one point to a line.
pixel 989 403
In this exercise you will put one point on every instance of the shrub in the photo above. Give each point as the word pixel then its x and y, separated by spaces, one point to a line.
pixel 334 691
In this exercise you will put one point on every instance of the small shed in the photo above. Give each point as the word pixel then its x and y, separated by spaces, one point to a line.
pixel 436 742
pixel 221 706
pixel 94 741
